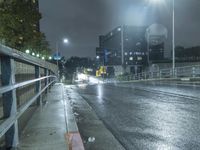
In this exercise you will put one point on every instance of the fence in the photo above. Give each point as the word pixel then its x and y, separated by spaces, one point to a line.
pixel 180 72
pixel 24 80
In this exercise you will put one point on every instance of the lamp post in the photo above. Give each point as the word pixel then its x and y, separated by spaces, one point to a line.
pixel 57 47
pixel 65 40
pixel 173 35
pixel 173 42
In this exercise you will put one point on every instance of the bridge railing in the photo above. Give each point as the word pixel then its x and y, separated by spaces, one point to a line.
pixel 24 81
pixel 180 72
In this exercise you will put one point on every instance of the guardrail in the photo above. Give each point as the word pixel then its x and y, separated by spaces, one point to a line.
pixel 180 72
pixel 42 78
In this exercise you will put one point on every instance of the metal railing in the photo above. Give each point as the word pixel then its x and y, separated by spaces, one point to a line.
pixel 180 72
pixel 12 111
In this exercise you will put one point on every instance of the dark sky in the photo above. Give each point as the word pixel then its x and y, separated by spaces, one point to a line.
pixel 82 21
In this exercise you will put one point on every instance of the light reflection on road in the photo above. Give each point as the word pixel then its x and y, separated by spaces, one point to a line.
pixel 147 120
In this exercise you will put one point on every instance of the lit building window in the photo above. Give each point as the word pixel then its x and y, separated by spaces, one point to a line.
pixel 139 58
pixel 131 58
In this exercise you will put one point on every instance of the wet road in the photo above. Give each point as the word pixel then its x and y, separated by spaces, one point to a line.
pixel 149 115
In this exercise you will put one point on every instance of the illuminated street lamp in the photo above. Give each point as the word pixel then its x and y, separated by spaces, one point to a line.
pixel 38 55
pixel 155 1
pixel 119 29
pixel 66 41
pixel 173 35
pixel 50 58
pixel 33 54
pixel 27 51
pixel 43 57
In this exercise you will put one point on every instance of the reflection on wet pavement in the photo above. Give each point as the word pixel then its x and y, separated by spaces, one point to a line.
pixel 148 120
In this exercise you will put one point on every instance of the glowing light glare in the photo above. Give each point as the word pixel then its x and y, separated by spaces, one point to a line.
pixel 50 58
pixel 38 55
pixel 119 29
pixel 65 40
pixel 94 80
pixel 82 77
pixel 100 91
pixel 97 57
pixel 43 57
pixel 155 1
pixel 33 53
pixel 135 15
pixel 27 51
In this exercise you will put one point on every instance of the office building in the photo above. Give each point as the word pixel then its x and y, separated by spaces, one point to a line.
pixel 125 48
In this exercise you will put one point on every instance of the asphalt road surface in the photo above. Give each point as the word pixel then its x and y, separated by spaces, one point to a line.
pixel 149 115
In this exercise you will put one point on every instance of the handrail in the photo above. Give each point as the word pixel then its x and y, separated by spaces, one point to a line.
pixel 11 113
pixel 7 123
pixel 185 71
pixel 26 58
pixel 14 86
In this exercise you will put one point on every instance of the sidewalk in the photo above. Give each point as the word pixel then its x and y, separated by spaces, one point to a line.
pixel 94 133
pixel 47 128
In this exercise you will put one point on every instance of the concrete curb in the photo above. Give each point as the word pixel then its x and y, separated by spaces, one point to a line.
pixel 72 136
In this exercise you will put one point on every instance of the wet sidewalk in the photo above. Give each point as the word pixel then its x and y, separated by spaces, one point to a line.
pixel 95 134
pixel 47 128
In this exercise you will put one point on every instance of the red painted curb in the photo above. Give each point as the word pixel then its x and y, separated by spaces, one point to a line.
pixel 74 141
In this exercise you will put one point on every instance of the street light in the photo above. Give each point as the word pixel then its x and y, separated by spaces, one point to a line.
pixel 156 1
pixel 66 41
pixel 173 42
pixel 50 58
pixel 173 34
pixel 33 53
pixel 27 51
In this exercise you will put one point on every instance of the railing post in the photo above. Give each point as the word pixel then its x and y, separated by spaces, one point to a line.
pixel 38 85
pixel 160 74
pixel 171 73
pixel 46 80
pixel 49 80
pixel 9 100
pixel 175 72
pixel 193 72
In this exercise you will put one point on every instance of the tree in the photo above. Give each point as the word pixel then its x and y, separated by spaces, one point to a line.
pixel 76 62
pixel 19 26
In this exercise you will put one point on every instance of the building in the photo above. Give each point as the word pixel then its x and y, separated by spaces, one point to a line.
pixel 156 36
pixel 124 49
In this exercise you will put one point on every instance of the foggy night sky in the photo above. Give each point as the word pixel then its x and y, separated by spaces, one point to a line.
pixel 82 21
